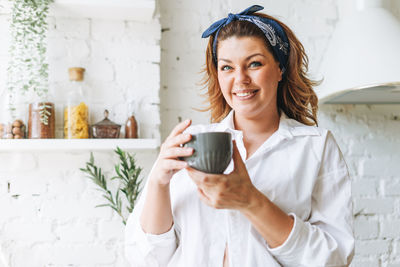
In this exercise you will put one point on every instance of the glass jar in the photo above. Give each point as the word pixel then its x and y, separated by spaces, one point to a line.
pixel 41 121
pixel 105 128
pixel 76 111
pixel 12 117
pixel 12 129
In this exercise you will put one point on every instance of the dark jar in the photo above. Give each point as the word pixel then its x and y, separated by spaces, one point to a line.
pixel 41 122
pixel 131 128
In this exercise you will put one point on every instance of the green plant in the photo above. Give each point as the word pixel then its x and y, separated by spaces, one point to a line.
pixel 28 70
pixel 129 182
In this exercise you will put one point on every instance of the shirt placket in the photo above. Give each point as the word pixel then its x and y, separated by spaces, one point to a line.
pixel 235 239
pixel 217 245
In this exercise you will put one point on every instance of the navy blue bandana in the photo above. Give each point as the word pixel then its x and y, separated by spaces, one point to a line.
pixel 274 33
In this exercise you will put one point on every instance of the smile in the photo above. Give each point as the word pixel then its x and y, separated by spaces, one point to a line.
pixel 246 94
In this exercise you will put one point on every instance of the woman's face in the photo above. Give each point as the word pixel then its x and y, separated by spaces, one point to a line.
pixel 248 76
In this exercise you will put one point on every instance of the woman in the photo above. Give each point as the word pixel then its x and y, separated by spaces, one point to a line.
pixel 285 199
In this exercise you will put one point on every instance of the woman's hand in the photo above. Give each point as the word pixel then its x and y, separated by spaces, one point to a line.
pixel 167 163
pixel 226 191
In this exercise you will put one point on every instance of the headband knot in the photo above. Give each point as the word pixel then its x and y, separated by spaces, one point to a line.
pixel 272 30
pixel 231 17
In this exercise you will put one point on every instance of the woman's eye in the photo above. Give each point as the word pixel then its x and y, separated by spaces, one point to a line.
pixel 226 67
pixel 255 64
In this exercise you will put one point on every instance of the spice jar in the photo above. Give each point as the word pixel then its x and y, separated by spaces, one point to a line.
pixel 76 111
pixel 105 128
pixel 41 121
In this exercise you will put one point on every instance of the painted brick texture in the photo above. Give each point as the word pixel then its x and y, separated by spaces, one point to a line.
pixel 48 215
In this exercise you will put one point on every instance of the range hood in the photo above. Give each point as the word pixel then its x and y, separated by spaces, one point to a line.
pixel 362 62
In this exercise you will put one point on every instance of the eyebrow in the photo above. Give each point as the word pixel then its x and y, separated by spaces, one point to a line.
pixel 247 58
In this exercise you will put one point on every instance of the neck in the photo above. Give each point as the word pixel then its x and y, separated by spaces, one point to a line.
pixel 266 123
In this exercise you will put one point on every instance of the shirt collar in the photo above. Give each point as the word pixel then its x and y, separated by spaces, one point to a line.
pixel 287 127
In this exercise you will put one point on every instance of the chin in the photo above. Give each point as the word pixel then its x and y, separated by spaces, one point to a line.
pixel 246 113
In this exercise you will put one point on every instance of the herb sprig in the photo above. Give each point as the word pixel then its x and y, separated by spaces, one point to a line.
pixel 128 175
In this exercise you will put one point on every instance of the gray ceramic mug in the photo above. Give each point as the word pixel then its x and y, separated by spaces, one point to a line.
pixel 212 151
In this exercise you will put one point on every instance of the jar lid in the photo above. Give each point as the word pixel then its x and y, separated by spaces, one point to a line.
pixel 76 74
pixel 106 121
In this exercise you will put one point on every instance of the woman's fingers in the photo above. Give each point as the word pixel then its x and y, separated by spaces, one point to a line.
pixel 208 179
pixel 180 128
pixel 178 140
pixel 176 152
pixel 172 164
pixel 165 169
pixel 203 196
pixel 167 162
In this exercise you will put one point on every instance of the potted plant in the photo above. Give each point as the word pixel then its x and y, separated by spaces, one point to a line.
pixel 28 70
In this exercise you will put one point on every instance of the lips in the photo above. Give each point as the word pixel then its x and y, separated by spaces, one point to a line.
pixel 245 94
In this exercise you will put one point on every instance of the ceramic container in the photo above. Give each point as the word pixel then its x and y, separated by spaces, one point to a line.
pixel 212 151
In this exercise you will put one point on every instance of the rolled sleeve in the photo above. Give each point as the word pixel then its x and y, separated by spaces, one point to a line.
pixel 291 243
pixel 326 239
pixel 144 249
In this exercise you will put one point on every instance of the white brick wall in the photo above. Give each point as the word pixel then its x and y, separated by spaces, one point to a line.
pixel 48 211
pixel 48 215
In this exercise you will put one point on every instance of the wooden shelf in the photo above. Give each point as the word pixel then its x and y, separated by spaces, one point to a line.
pixel 76 144
pixel 138 10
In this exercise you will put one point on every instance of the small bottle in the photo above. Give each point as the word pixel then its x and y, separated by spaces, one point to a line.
pixel 131 129
pixel 76 112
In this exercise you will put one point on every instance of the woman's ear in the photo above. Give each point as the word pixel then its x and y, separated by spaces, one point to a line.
pixel 280 75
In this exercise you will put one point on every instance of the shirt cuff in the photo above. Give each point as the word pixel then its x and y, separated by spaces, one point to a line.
pixel 290 243
pixel 161 239
pixel 151 240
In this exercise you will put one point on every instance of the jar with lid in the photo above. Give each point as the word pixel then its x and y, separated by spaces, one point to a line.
pixel 105 128
pixel 76 111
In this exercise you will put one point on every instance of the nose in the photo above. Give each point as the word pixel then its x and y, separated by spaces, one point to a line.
pixel 242 77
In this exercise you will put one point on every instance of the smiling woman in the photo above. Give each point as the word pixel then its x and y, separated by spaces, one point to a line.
pixel 285 199
pixel 248 76
pixel 296 96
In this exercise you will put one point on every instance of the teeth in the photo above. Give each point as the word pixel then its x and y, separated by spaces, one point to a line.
pixel 244 94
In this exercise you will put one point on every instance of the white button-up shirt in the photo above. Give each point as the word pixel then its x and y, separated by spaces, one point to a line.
pixel 300 168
